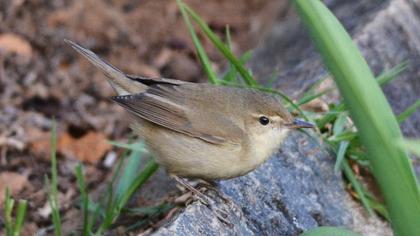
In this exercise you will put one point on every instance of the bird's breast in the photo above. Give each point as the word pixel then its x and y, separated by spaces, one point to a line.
pixel 263 146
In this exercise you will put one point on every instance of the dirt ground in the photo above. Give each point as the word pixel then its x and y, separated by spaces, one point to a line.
pixel 41 77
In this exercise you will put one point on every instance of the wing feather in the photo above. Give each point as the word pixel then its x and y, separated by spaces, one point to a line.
pixel 164 105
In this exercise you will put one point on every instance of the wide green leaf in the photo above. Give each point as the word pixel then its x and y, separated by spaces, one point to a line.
pixel 329 231
pixel 371 113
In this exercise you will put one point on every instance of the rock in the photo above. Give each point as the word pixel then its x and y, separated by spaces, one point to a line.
pixel 297 189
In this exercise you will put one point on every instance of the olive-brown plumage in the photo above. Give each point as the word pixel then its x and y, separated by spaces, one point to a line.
pixel 200 130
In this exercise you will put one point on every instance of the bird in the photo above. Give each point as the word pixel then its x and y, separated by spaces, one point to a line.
pixel 200 130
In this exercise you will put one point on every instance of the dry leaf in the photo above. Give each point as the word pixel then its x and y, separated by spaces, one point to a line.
pixel 89 148
pixel 14 181
pixel 40 143
pixel 13 43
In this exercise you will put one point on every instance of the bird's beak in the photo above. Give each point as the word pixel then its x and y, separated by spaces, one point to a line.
pixel 297 124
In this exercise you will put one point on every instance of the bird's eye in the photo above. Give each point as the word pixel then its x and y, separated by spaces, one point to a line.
pixel 264 120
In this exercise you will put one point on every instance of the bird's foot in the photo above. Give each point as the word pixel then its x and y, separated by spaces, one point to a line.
pixel 220 213
pixel 203 186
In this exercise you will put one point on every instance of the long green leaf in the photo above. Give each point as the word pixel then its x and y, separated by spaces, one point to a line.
pixel 7 212
pixel 340 155
pixel 346 135
pixel 20 217
pixel 357 186
pixel 335 111
pixel 200 50
pixel 149 169
pixel 84 198
pixel 129 146
pixel 340 123
pixel 408 112
pixel 53 194
pixel 131 170
pixel 309 98
pixel 388 76
pixel 231 73
pixel 371 113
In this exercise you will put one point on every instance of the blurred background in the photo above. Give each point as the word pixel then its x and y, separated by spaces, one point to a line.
pixel 42 78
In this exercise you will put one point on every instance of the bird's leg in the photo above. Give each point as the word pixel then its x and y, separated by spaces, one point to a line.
pixel 212 185
pixel 202 197
pixel 206 200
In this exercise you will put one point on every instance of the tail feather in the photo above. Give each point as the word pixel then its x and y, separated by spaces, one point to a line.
pixel 118 79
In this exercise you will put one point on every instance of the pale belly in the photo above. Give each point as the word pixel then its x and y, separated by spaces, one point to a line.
pixel 190 157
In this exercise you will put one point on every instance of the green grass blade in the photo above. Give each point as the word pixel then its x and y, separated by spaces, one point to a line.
pixel 149 169
pixel 231 73
pixel 342 148
pixel 379 208
pixel 408 112
pixel 344 136
pixel 340 123
pixel 85 199
pixel 53 155
pixel 245 58
pixel 53 193
pixel 219 45
pixel 129 146
pixel 390 75
pixel 20 217
pixel 114 207
pixel 332 115
pixel 131 169
pixel 110 213
pixel 198 47
pixel 371 113
pixel 127 183
pixel 348 172
pixel 308 98
pixel 7 211
pixel 228 37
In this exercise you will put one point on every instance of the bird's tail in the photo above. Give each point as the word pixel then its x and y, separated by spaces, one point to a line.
pixel 122 84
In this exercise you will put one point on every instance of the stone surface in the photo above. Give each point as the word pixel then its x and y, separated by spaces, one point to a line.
pixel 297 189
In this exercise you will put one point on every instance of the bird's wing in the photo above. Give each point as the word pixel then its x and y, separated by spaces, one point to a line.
pixel 165 105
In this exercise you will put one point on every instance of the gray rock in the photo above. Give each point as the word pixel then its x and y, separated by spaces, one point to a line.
pixel 297 189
